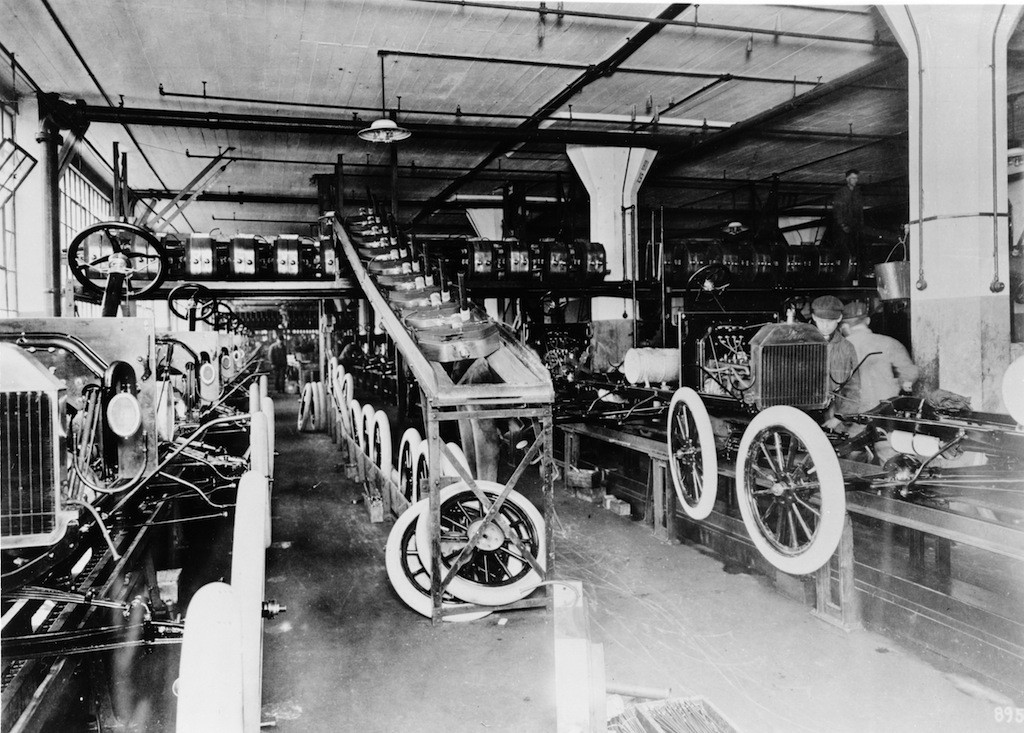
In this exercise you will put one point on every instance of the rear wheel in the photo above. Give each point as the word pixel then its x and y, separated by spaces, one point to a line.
pixel 407 463
pixel 790 490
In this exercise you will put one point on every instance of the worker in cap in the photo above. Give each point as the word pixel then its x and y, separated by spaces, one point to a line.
pixel 886 367
pixel 827 312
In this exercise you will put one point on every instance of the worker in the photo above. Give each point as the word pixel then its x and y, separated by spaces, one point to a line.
pixel 278 361
pixel 886 367
pixel 827 312
pixel 848 213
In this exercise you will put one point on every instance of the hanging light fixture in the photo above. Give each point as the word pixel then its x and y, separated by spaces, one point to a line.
pixel 384 130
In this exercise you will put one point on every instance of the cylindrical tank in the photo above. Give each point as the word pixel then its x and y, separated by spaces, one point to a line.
pixel 481 260
pixel 517 260
pixel 643 366
pixel 798 265
pixel 556 262
pixel 200 257
pixel 242 257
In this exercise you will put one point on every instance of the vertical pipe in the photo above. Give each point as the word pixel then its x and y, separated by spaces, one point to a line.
pixel 50 140
pixel 125 211
pixel 115 199
pixel 394 181
pixel 339 185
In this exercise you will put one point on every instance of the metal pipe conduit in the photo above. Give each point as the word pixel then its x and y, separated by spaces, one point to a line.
pixel 542 11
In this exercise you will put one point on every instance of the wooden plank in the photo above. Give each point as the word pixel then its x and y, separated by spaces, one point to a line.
pixel 510 369
pixel 572 659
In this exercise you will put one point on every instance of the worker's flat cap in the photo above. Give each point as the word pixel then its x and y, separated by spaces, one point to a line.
pixel 827 306
pixel 855 310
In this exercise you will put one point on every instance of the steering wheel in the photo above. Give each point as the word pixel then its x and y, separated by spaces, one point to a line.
pixel 117 247
pixel 198 297
pixel 223 317
pixel 709 280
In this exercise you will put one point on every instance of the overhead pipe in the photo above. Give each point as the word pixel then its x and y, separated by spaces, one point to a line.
pixel 327 126
pixel 876 41
pixel 578 66
pixel 645 120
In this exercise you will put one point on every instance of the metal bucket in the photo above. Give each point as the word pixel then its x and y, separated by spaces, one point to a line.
pixel 893 280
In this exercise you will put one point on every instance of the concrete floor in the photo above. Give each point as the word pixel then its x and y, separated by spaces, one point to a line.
pixel 350 656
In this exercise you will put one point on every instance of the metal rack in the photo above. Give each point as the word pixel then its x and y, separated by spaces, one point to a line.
pixel 525 392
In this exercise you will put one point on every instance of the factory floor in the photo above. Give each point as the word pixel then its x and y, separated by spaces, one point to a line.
pixel 350 656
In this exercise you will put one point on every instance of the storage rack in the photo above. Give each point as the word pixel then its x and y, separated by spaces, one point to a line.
pixel 526 392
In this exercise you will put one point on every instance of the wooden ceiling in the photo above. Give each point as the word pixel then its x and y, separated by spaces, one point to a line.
pixel 724 63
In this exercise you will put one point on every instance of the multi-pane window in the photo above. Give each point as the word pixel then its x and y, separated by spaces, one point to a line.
pixel 8 261
pixel 81 204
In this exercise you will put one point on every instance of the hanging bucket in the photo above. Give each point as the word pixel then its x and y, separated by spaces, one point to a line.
pixel 893 280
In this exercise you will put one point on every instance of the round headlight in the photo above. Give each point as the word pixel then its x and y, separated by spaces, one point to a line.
pixel 239 357
pixel 207 373
pixel 225 363
pixel 124 416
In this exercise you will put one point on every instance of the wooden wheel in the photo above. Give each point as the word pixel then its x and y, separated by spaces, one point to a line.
pixel 790 490
pixel 496 572
pixel 692 458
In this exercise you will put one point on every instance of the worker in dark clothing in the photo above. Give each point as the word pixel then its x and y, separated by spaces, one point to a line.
pixel 848 213
pixel 827 312
pixel 278 362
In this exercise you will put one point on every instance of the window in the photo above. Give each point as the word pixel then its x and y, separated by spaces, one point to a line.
pixel 81 204
pixel 8 262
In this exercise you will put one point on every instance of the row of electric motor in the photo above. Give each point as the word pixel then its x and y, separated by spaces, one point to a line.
pixel 747 264
pixel 493 575
pixel 248 257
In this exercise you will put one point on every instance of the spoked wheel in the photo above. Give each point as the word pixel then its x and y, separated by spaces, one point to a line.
pixel 347 388
pixel 692 456
pixel 306 408
pixel 380 443
pixel 790 490
pixel 708 281
pixel 366 428
pixel 115 247
pixel 497 571
pixel 407 464
pixel 248 576
pixel 191 296
pixel 406 572
pixel 355 419
pixel 421 471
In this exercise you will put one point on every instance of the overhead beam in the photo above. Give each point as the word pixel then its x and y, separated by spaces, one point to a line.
pixel 756 123
pixel 604 68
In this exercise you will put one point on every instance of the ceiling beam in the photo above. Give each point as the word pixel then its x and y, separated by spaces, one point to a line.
pixel 603 68
pixel 756 123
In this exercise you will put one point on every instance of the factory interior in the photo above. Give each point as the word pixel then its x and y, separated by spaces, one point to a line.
pixel 493 365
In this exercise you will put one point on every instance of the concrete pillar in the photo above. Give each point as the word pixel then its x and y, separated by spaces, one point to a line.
pixel 487 223
pixel 612 177
pixel 960 309
pixel 35 293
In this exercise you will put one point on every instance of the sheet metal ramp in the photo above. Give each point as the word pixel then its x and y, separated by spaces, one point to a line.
pixel 525 392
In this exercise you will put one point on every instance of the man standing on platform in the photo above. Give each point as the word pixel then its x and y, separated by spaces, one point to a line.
pixel 848 213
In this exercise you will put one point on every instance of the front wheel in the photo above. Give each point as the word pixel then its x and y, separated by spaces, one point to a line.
pixel 692 458
pixel 790 490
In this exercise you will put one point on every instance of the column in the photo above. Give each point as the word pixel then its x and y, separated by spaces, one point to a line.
pixel 960 308
pixel 612 177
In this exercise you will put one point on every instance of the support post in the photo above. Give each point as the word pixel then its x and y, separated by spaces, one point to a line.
pixel 612 177
pixel 959 252
pixel 50 141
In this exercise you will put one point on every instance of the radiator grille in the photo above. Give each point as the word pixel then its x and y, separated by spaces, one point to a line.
pixel 26 464
pixel 791 374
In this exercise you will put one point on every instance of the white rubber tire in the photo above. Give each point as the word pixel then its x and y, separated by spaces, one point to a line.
pixel 481 594
pixel 267 405
pixel 421 465
pixel 831 490
pixel 447 469
pixel 407 463
pixel 264 386
pixel 366 428
pixel 248 576
pixel 347 390
pixel 706 463
pixel 209 687
pixel 355 418
pixel 305 418
pixel 381 431
pixel 401 547
pixel 318 407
